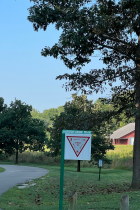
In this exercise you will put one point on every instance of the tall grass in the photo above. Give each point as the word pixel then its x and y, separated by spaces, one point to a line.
pixel 40 157
pixel 122 157
pixel 35 157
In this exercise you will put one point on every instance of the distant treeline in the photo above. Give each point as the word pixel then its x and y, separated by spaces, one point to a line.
pixel 48 114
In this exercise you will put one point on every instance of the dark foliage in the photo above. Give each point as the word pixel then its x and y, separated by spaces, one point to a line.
pixel 81 114
pixel 19 131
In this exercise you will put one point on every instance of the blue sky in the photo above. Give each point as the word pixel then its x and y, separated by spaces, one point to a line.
pixel 24 73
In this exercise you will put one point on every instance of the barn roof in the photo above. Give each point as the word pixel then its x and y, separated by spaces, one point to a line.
pixel 123 131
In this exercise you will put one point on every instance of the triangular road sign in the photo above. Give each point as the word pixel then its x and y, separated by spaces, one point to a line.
pixel 78 143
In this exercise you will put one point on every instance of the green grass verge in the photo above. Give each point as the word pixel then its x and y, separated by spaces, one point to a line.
pixel 92 194
pixel 2 169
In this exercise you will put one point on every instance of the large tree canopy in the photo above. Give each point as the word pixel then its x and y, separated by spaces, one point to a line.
pixel 81 114
pixel 19 131
pixel 109 26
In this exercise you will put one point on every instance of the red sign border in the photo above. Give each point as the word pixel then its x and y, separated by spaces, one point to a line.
pixel 84 143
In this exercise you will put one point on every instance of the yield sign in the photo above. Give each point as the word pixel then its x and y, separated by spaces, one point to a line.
pixel 78 143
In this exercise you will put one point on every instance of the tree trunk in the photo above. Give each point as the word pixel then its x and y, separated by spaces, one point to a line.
pixel 17 154
pixel 136 150
pixel 78 166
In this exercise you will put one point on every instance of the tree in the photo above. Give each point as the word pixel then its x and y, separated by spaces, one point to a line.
pixel 37 115
pixel 111 27
pixel 116 120
pixel 47 114
pixel 36 135
pixel 80 114
pixel 19 131
pixel 2 105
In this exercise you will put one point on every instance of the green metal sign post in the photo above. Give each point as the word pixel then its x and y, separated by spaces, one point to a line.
pixel 79 138
pixel 62 172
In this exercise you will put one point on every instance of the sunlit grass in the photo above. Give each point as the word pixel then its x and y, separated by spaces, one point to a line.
pixel 122 156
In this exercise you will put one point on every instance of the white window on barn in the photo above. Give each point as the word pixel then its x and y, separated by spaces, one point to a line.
pixel 131 140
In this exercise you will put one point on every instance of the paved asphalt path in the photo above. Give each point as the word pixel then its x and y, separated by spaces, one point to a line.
pixel 15 174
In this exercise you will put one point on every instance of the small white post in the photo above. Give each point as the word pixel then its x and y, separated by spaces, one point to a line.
pixel 124 202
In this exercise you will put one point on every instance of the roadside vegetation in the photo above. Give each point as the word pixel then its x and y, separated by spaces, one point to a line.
pixel 2 169
pixel 37 131
pixel 92 193
pixel 121 158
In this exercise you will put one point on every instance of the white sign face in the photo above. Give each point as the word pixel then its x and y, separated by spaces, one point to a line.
pixel 100 163
pixel 77 146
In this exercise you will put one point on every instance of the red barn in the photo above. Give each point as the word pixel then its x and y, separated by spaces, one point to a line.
pixel 124 135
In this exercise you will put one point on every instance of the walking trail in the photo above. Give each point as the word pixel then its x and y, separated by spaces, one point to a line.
pixel 15 174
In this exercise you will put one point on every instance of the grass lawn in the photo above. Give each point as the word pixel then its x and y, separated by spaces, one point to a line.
pixel 92 194
pixel 2 169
